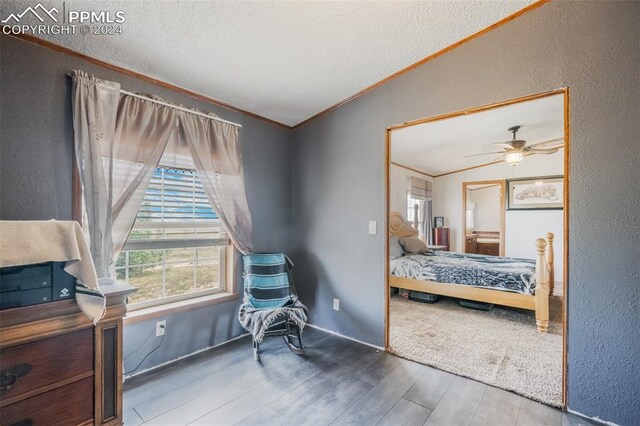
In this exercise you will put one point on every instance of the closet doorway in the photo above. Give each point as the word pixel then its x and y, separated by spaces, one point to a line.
pixel 483 219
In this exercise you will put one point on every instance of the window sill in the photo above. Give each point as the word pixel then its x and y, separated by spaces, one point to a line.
pixel 179 306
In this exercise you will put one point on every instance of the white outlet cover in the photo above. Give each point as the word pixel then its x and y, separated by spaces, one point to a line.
pixel 161 328
pixel 373 225
pixel 336 304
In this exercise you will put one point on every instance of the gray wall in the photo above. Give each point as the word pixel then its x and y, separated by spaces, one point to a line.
pixel 36 143
pixel 338 175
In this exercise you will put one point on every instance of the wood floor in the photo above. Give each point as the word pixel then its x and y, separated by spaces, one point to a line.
pixel 338 382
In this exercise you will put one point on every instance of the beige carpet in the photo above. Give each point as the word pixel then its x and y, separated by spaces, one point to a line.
pixel 500 347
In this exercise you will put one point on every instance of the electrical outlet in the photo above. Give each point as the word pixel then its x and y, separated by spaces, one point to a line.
pixel 161 328
pixel 336 304
pixel 372 227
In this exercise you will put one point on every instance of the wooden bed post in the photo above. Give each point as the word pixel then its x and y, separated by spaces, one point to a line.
pixel 550 262
pixel 542 287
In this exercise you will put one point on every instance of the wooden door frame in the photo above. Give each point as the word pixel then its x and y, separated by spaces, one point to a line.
pixel 502 184
pixel 565 261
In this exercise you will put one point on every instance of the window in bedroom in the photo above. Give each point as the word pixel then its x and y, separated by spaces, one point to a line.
pixel 411 203
pixel 177 247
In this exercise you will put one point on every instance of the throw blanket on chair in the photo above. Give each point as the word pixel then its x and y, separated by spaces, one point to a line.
pixel 269 294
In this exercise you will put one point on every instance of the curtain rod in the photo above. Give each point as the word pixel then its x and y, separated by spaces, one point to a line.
pixel 146 98
pixel 135 95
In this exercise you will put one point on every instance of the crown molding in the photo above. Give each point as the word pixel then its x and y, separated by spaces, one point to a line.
pixel 143 77
pixel 65 50
pixel 402 166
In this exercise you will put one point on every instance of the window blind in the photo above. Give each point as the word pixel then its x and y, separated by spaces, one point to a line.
pixel 175 213
pixel 175 196
pixel 420 188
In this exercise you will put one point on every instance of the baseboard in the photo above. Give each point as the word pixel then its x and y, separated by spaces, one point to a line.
pixel 155 367
pixel 594 419
pixel 335 333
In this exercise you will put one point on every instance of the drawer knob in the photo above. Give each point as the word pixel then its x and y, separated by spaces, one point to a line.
pixel 8 378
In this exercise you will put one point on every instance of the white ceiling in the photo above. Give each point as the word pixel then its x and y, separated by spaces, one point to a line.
pixel 284 60
pixel 441 146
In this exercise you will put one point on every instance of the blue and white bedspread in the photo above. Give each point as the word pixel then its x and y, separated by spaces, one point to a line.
pixel 499 273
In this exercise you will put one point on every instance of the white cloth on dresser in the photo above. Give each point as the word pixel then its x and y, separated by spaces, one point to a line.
pixel 31 242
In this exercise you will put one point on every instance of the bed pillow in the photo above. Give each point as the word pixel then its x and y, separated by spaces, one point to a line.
pixel 412 245
pixel 395 251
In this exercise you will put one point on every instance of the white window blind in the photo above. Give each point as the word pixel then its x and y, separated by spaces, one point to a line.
pixel 175 196
pixel 175 212
pixel 411 202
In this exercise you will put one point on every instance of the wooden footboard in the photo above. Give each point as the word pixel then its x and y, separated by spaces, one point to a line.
pixel 460 291
pixel 538 302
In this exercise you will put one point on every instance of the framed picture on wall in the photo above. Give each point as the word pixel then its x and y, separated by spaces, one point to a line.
pixel 541 193
pixel 438 222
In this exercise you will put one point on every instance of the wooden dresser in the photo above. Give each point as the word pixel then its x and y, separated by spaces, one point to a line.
pixel 483 242
pixel 471 243
pixel 57 368
pixel 441 237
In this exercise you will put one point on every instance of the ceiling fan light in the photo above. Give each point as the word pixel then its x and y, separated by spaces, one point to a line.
pixel 514 158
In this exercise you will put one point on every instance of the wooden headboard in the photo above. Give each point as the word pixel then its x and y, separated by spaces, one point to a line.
pixel 400 227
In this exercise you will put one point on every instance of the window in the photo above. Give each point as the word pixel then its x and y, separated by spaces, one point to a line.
pixel 411 203
pixel 177 247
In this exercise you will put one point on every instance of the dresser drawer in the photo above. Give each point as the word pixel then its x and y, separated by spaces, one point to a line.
pixel 68 405
pixel 490 249
pixel 31 366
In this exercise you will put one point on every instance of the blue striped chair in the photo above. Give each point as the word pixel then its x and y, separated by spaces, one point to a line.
pixel 271 306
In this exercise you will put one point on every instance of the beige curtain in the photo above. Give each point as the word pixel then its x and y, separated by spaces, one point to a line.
pixel 95 106
pixel 118 141
pixel 143 130
pixel 217 157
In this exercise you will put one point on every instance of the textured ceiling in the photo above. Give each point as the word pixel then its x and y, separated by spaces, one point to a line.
pixel 441 146
pixel 284 60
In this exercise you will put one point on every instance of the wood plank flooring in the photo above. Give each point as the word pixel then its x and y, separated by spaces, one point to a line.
pixel 337 382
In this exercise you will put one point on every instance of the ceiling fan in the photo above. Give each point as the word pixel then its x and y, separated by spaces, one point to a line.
pixel 516 149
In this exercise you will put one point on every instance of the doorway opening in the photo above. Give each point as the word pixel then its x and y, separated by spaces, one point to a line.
pixel 493 184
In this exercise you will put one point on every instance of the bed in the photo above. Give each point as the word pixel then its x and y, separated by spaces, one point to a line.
pixel 519 283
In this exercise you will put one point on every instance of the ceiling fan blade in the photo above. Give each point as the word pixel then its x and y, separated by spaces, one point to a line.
pixel 558 142
pixel 543 151
pixel 484 153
